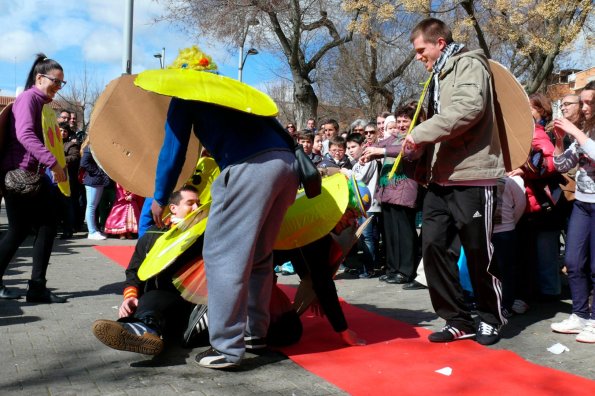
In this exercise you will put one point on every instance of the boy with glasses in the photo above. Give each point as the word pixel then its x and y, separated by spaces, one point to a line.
pixel 336 157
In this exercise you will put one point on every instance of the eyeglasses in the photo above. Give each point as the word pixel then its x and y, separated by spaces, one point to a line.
pixel 56 81
pixel 566 104
pixel 369 132
pixel 335 151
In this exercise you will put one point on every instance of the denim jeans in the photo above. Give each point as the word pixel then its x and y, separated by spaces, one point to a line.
pixel 93 197
pixel 369 242
pixel 580 257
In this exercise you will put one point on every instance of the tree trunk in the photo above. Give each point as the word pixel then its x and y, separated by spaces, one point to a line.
pixel 306 102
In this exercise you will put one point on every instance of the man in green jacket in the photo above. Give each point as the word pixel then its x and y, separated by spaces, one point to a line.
pixel 461 155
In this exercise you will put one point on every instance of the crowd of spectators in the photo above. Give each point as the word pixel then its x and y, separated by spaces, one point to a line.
pixel 536 206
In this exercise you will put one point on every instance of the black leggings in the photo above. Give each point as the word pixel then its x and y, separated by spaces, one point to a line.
pixel 24 214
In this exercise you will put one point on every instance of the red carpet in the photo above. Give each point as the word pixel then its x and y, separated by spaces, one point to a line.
pixel 399 360
pixel 119 254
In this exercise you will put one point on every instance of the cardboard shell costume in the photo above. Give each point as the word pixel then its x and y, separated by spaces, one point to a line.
pixel 126 132
pixel 513 116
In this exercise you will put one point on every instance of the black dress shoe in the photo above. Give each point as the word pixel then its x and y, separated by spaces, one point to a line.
pixel 6 294
pixel 44 297
pixel 414 285
pixel 398 279
pixel 66 235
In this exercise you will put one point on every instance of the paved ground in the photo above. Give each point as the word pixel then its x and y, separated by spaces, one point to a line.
pixel 50 350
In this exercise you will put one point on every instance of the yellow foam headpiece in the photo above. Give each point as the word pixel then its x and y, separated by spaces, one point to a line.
pixel 193 58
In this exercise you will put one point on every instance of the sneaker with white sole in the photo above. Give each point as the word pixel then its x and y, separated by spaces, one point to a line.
pixel 449 333
pixel 588 333
pixel 573 325
pixel 519 307
pixel 212 358
pixel 97 236
pixel 487 334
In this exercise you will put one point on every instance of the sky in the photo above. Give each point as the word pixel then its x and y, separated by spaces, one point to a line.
pixel 88 35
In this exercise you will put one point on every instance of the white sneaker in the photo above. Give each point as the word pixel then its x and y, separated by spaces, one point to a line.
pixel 97 236
pixel 573 325
pixel 519 307
pixel 588 333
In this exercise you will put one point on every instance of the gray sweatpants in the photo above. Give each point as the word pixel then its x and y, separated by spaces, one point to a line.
pixel 249 202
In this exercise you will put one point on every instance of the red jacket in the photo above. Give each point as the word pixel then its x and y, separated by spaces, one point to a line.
pixel 537 179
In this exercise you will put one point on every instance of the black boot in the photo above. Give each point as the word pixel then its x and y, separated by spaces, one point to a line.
pixel 38 293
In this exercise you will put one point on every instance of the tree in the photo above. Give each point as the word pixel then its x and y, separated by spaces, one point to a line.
pixel 302 31
pixel 377 60
pixel 526 35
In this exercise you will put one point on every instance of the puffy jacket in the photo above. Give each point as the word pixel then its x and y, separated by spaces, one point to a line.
pixel 537 181
pixel 404 192
pixel 94 175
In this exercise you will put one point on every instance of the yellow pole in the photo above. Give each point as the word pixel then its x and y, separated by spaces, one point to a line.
pixel 415 116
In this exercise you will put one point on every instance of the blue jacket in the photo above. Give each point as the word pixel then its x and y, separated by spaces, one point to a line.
pixel 94 175
pixel 230 136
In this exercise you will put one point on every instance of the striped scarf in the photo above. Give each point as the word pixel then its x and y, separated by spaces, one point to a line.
pixel 450 50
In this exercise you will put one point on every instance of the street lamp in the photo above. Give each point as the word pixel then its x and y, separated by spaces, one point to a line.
pixel 251 51
pixel 161 57
pixel 241 58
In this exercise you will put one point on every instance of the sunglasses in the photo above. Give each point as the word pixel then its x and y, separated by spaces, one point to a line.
pixel 369 132
pixel 56 81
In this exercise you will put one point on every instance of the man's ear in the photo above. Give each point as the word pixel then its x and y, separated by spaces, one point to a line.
pixel 173 209
pixel 441 43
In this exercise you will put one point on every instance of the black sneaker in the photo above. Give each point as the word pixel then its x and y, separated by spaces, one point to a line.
pixel 487 334
pixel 253 343
pixel 212 358
pixel 507 313
pixel 197 323
pixel 449 333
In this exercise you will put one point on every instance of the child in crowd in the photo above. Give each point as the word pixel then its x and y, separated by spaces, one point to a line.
pixel 336 157
pixel 366 172
pixel 580 247
pixel 124 215
pixel 317 144
pixel 306 139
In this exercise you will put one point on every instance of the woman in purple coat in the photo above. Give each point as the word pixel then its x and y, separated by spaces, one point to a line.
pixel 24 149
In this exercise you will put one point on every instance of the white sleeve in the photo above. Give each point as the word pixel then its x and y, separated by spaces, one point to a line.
pixel 515 186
